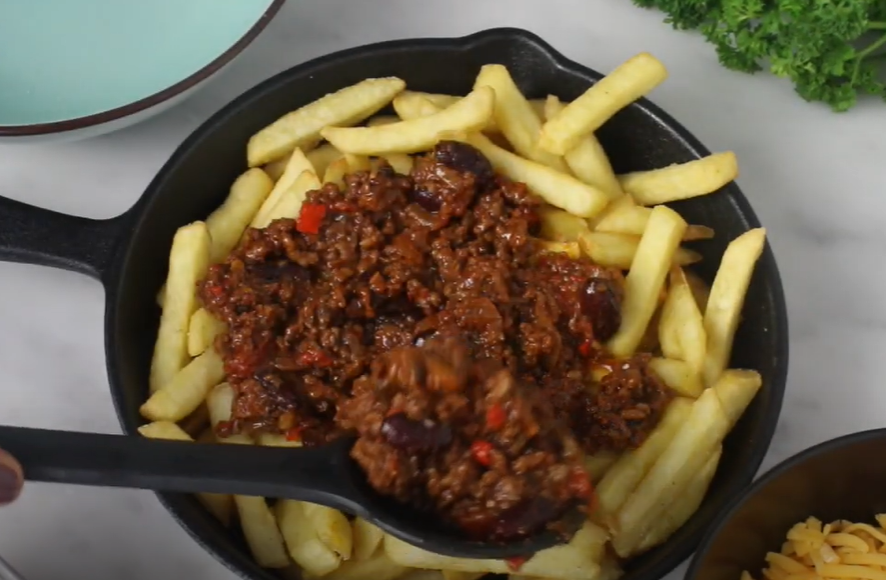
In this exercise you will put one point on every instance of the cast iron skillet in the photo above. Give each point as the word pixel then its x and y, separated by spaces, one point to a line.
pixel 129 253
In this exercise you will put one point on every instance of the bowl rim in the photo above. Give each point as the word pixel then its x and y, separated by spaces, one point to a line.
pixel 184 509
pixel 144 103
pixel 775 472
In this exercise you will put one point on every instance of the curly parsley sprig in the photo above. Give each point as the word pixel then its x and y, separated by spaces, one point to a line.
pixel 828 48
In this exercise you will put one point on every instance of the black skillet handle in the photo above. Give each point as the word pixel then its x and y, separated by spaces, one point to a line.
pixel 318 474
pixel 32 235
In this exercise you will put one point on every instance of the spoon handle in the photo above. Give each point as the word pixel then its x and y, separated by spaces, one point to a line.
pixel 317 474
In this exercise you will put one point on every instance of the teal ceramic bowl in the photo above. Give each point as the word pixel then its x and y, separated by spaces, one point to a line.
pixel 76 68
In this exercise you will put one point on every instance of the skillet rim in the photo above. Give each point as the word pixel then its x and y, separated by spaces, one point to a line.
pixel 185 510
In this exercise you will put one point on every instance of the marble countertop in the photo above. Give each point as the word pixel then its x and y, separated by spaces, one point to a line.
pixel 809 173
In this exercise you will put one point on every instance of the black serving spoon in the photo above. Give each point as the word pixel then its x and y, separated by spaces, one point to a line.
pixel 325 475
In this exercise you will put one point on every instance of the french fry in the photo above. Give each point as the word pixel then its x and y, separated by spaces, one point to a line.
pixel 587 160
pixel 275 169
pixel 577 560
pixel 164 430
pixel 302 543
pixel 331 527
pixel 681 327
pixel 188 263
pixel 202 330
pixel 682 181
pixel 298 164
pixel 322 156
pixel 442 101
pixel 187 389
pixel 558 189
pixel 335 172
pixel 378 567
pixel 411 105
pixel 367 538
pixel 736 389
pixel 227 223
pixel 646 277
pixel 700 289
pixel 599 463
pixel 625 474
pixel 276 440
pixel 632 219
pixel 380 120
pixel 400 162
pixel 291 200
pixel 561 226
pixel 618 250
pixel 261 532
pixel 571 249
pixel 683 505
pixel 515 117
pixel 347 106
pixel 678 375
pixel 701 433
pixel 412 136
pixel 727 297
pixel 196 422
pixel 624 85
pixel 219 402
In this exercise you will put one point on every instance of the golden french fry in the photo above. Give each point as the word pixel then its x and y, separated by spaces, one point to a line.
pixel 624 85
pixel 202 330
pixel 736 389
pixel 219 402
pixel 558 189
pixel 275 169
pixel 681 328
pixel 442 101
pixel 577 560
pixel 331 527
pixel 515 117
pixel 571 249
pixel 682 181
pixel 188 263
pixel 632 219
pixel 561 226
pixel 380 120
pixel 322 156
pixel 378 567
pixel 218 504
pixel 227 223
pixel 302 543
pixel 678 375
pixel 411 105
pixel 700 289
pixel 412 136
pixel 187 389
pixel 347 106
pixel 290 202
pixel 587 160
pixel 276 440
pixel 623 477
pixel 599 463
pixel 618 250
pixel 727 297
pixel 645 279
pixel 701 433
pixel 298 164
pixel 261 532
pixel 367 539
pixel 400 162
pixel 336 171
pixel 357 163
pixel 609 570
pixel 683 505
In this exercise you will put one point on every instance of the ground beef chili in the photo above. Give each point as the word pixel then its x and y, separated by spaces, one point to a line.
pixel 390 260
pixel 465 440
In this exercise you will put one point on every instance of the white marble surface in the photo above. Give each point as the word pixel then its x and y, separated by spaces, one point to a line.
pixel 810 174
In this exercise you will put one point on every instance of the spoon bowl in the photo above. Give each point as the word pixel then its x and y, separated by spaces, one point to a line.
pixel 323 475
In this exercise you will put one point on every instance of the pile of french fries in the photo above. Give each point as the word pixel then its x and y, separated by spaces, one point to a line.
pixel 616 220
